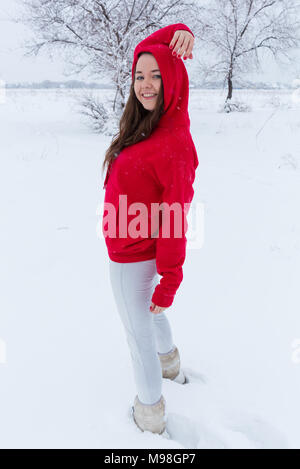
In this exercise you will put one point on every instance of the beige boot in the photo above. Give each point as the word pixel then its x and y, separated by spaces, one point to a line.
pixel 149 417
pixel 170 364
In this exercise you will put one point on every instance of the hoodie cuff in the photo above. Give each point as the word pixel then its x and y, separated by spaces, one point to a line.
pixel 161 299
pixel 182 26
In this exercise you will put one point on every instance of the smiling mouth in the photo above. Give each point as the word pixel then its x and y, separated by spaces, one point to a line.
pixel 149 97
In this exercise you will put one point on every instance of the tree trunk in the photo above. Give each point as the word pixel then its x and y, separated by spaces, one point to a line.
pixel 229 82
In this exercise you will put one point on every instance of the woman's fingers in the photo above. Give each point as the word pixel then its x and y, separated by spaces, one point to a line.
pixel 182 43
pixel 156 309
pixel 181 46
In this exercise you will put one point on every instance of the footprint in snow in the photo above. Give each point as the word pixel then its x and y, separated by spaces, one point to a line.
pixel 191 434
pixel 193 376
pixel 252 433
pixel 236 430
pixel 263 434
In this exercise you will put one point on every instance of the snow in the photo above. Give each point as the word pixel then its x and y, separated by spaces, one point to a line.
pixel 66 380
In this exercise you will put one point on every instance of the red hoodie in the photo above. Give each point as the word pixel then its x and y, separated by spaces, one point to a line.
pixel 159 169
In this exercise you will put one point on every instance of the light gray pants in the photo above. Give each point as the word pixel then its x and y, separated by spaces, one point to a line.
pixel 147 333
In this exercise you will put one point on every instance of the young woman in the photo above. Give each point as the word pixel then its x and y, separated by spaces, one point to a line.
pixel 151 167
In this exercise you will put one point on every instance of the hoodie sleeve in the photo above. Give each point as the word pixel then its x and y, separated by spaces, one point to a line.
pixel 165 35
pixel 176 175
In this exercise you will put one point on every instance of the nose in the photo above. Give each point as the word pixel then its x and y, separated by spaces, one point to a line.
pixel 147 84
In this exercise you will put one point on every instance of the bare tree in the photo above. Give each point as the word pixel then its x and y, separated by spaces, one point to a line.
pixel 98 36
pixel 237 31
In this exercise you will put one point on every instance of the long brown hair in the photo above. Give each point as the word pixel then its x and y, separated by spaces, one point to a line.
pixel 136 123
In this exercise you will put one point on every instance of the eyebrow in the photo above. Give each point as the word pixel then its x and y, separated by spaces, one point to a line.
pixel 151 71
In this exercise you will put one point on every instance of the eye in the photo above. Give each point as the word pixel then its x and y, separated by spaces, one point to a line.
pixel 153 75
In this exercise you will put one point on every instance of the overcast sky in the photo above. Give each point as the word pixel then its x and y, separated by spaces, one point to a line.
pixel 13 66
pixel 16 68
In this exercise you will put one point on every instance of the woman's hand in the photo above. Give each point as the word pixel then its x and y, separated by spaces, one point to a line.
pixel 183 41
pixel 156 309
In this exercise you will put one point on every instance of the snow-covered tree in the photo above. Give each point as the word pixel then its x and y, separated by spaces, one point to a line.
pixel 99 36
pixel 237 31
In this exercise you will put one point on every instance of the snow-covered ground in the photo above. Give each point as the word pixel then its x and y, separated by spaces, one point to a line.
pixel 65 372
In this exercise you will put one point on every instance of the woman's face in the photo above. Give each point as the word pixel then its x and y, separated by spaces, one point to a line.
pixel 147 80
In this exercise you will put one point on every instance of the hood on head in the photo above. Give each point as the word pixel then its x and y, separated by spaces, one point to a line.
pixel 175 82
